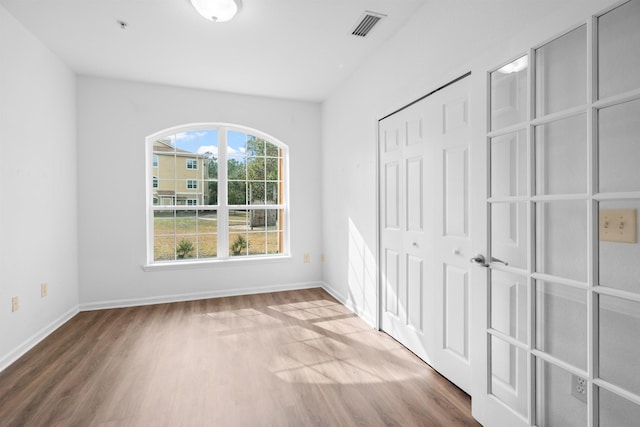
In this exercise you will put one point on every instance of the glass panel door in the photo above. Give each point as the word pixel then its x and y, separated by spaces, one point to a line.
pixel 563 346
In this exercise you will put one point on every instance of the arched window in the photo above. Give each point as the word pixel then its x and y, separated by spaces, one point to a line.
pixel 215 192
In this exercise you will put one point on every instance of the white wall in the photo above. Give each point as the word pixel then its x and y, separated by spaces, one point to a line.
pixel 114 117
pixel 442 41
pixel 38 233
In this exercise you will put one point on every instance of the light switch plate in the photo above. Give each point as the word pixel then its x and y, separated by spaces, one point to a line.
pixel 618 225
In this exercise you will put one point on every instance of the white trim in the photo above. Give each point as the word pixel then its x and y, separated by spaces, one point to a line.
pixel 36 338
pixel 371 321
pixel 215 262
pixel 164 299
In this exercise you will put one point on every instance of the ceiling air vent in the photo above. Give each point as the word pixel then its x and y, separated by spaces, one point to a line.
pixel 366 24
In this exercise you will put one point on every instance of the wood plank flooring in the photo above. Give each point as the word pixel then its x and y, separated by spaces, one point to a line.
pixel 294 358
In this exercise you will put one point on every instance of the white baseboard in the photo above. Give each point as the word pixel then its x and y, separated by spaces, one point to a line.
pixel 103 305
pixel 36 338
pixel 349 304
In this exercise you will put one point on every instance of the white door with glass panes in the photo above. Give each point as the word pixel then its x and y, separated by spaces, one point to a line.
pixel 424 229
pixel 561 338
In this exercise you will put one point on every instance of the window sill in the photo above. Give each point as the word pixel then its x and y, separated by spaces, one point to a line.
pixel 232 262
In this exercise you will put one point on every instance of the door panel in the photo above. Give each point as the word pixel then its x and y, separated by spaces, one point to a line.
pixel 559 339
pixel 456 320
pixel 427 310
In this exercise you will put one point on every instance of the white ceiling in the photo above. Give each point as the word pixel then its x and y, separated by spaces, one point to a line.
pixel 298 49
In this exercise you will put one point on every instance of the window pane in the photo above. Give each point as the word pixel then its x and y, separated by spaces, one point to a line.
pixel 211 195
pixel 275 219
pixel 619 266
pixel 164 223
pixel 273 193
pixel 207 245
pixel 185 222
pixel 238 244
pixel 273 172
pixel 561 314
pixel 255 169
pixel 237 168
pixel 561 156
pixel 509 165
pixel 236 143
pixel 509 304
pixel 275 242
pixel 255 146
pixel 561 229
pixel 238 221
pixel 272 150
pixel 207 222
pixel 619 148
pixel 509 234
pixel 257 243
pixel 556 405
pixel 561 73
pixel 237 193
pixel 164 248
pixel 620 342
pixel 509 374
pixel 186 247
pixel 256 193
pixel 211 167
pixel 509 94
pixel 186 142
pixel 619 50
pixel 616 411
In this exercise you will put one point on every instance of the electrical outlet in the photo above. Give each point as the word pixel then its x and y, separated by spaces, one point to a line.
pixel 579 388
pixel 15 304
pixel 44 289
pixel 307 259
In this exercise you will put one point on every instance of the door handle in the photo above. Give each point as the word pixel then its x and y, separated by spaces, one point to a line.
pixel 480 260
pixel 499 260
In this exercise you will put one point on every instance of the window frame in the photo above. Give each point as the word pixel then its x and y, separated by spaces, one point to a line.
pixel 192 164
pixel 222 207
pixel 191 184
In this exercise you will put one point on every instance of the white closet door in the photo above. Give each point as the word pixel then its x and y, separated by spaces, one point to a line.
pixel 424 229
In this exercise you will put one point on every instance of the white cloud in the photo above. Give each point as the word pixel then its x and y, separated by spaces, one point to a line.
pixel 208 149
pixel 189 136
pixel 214 150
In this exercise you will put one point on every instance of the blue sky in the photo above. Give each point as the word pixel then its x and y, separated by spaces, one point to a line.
pixel 202 141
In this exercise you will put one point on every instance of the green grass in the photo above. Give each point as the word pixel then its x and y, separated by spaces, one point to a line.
pixel 202 233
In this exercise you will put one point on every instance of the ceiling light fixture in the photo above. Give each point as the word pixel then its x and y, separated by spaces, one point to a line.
pixel 216 10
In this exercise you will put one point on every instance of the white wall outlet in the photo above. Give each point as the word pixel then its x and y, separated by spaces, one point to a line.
pixel 15 304
pixel 307 258
pixel 44 289
pixel 579 388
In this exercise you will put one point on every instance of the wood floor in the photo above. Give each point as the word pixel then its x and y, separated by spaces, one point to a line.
pixel 281 359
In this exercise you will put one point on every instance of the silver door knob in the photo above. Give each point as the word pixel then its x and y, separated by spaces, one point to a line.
pixel 480 260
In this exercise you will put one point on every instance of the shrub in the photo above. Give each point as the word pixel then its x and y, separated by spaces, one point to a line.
pixel 184 248
pixel 239 245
